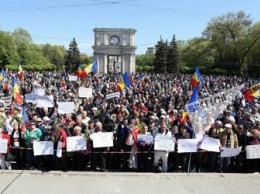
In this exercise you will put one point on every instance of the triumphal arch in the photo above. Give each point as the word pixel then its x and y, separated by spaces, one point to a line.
pixel 114 49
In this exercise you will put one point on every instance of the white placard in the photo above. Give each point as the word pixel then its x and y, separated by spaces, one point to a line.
pixel 101 140
pixel 42 148
pixel 252 151
pixel 31 98
pixel 3 146
pixel 147 138
pixel 44 101
pixel 76 143
pixel 113 95
pixel 230 152
pixel 50 97
pixel 73 78
pixel 66 107
pixel 85 92
pixel 164 143
pixel 39 91
pixel 210 144
pixel 59 150
pixel 187 145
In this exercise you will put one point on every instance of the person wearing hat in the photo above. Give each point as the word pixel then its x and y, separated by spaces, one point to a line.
pixel 227 139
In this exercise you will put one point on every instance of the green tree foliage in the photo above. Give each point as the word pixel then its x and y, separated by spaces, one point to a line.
pixel 232 38
pixel 145 60
pixel 55 54
pixel 160 60
pixel 8 49
pixel 73 57
pixel 172 57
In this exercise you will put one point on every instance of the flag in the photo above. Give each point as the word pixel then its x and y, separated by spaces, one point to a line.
pixel 20 71
pixel 123 82
pixel 120 85
pixel 252 92
pixel 2 75
pixel 184 115
pixel 192 106
pixel 126 79
pixel 16 92
pixel 92 67
pixel 25 117
pixel 81 73
pixel 196 78
pixel 63 83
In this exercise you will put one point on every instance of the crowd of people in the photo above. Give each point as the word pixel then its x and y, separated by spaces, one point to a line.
pixel 153 104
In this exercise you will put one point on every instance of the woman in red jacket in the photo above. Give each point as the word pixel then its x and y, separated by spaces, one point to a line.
pixel 3 163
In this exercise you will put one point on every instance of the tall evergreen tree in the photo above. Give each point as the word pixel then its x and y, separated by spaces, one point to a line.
pixel 172 57
pixel 72 59
pixel 160 60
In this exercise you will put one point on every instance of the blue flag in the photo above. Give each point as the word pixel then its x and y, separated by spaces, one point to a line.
pixel 192 106
pixel 199 76
pixel 3 73
pixel 94 67
pixel 25 117
pixel 126 79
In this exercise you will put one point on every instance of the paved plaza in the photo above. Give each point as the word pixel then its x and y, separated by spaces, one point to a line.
pixel 36 182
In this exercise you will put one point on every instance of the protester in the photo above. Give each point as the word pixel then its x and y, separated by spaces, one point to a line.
pixel 152 100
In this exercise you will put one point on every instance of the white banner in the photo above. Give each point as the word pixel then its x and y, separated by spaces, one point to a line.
pixel 3 146
pixel 85 92
pixel 42 148
pixel 164 143
pixel 187 145
pixel 39 91
pixel 76 143
pixel 50 97
pixel 230 152
pixel 210 144
pixel 73 78
pixel 147 138
pixel 59 150
pixel 31 98
pixel 101 140
pixel 252 151
pixel 44 101
pixel 113 95
pixel 65 107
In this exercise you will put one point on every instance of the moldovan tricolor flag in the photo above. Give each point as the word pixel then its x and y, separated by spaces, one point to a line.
pixel 16 92
pixel 20 71
pixel 252 92
pixel 196 78
pixel 92 67
pixel 81 73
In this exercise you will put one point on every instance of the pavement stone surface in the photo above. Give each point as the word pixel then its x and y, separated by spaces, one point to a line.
pixel 36 182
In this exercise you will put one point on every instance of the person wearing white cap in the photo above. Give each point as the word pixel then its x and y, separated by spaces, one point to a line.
pixel 227 139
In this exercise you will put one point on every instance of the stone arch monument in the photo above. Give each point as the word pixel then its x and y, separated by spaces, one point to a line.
pixel 114 49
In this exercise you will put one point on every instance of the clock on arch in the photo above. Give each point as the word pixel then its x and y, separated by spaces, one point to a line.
pixel 114 40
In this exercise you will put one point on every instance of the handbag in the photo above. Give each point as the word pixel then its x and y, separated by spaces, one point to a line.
pixel 9 157
pixel 130 140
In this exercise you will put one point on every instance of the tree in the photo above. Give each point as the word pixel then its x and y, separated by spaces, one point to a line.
pixel 55 54
pixel 21 35
pixel 160 60
pixel 73 57
pixel 172 57
pixel 231 36
pixel 8 49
